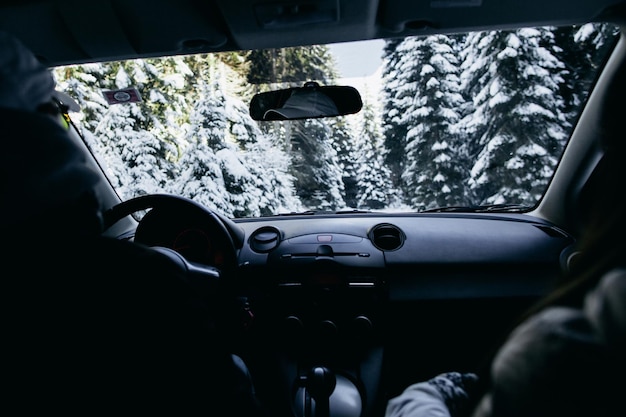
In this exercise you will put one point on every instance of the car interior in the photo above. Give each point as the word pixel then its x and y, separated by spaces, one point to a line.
pixel 336 312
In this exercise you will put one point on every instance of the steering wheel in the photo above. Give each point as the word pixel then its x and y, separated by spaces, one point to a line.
pixel 200 276
pixel 213 286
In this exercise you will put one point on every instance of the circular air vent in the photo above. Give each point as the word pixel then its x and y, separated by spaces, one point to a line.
pixel 386 237
pixel 265 239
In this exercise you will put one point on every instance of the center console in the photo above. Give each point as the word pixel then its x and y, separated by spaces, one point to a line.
pixel 315 340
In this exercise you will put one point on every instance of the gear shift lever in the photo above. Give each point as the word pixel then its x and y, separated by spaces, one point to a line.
pixel 320 384
pixel 324 393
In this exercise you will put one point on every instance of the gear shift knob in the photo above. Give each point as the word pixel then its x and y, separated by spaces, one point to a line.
pixel 324 393
pixel 321 383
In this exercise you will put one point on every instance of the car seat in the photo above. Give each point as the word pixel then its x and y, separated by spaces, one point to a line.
pixel 97 324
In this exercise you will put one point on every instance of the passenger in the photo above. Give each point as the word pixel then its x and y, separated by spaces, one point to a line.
pixel 92 324
pixel 567 356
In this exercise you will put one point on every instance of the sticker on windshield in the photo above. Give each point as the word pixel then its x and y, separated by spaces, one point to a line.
pixel 126 95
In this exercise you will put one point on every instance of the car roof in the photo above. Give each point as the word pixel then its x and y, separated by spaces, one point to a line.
pixel 74 32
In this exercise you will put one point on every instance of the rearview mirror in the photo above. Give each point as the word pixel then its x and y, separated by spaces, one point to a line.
pixel 311 101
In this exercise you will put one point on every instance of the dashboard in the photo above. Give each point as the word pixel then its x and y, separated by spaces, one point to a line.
pixel 344 291
pixel 415 256
pixel 197 237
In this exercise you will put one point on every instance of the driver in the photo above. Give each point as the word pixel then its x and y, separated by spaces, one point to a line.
pixel 45 179
pixel 92 324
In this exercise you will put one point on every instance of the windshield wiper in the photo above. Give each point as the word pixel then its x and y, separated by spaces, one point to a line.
pixel 313 212
pixel 486 208
pixel 297 213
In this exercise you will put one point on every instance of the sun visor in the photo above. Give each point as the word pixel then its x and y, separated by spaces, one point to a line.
pixel 269 24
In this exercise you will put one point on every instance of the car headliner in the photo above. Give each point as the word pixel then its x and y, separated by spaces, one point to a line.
pixel 73 32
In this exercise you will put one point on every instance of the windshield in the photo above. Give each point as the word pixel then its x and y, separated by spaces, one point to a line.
pixel 463 120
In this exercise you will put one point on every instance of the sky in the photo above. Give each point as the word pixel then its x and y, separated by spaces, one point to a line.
pixel 360 64
pixel 358 59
